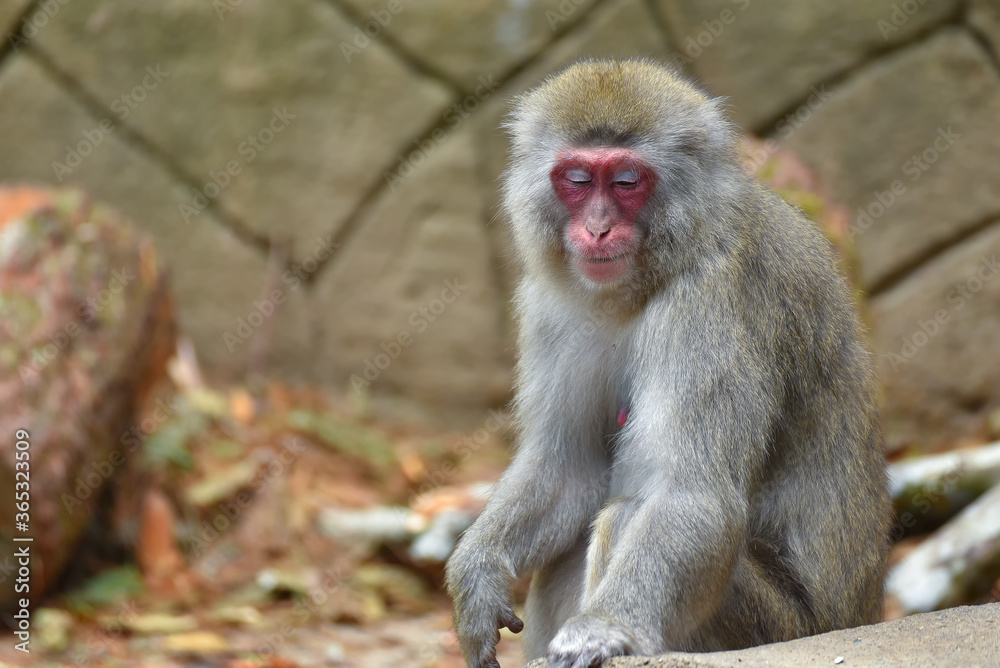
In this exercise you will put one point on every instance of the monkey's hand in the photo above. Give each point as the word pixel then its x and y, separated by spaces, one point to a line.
pixel 587 640
pixel 479 584
pixel 479 632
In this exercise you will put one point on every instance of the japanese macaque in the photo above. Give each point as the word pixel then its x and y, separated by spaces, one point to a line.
pixel 698 463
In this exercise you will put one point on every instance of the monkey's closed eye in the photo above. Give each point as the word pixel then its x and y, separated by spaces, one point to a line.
pixel 578 176
pixel 626 179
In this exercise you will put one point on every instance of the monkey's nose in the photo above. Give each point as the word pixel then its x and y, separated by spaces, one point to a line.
pixel 598 229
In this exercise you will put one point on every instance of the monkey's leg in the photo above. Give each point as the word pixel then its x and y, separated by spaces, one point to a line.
pixel 764 603
pixel 658 569
pixel 554 597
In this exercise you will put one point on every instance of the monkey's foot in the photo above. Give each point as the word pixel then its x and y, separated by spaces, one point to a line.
pixel 587 641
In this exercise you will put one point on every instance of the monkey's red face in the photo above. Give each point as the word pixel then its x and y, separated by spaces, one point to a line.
pixel 604 190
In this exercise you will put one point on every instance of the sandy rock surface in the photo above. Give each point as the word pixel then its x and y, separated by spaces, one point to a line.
pixel 968 636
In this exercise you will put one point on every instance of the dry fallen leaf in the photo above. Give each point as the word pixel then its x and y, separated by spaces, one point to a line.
pixel 223 484
pixel 196 642
pixel 156 551
pixel 154 623
pixel 241 405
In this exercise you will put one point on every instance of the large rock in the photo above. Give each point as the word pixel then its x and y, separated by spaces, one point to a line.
pixel 216 278
pixel 11 22
pixel 258 86
pixel 465 40
pixel 984 17
pixel 766 55
pixel 86 328
pixel 937 335
pixel 909 144
pixel 414 305
pixel 968 637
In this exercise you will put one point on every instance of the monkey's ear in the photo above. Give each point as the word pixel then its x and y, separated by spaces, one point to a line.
pixel 693 143
pixel 716 135
pixel 721 111
pixel 518 118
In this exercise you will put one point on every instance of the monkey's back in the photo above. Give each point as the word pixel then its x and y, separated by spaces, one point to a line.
pixel 820 513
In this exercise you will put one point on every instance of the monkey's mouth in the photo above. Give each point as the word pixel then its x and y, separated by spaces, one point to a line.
pixel 604 269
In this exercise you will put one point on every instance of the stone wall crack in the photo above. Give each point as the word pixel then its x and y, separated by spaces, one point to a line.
pixel 902 272
pixel 401 52
pixel 874 55
pixel 376 190
pixel 14 35
pixel 143 145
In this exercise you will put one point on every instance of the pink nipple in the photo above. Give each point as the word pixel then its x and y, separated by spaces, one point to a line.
pixel 623 415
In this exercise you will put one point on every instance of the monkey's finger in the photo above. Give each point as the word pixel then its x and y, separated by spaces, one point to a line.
pixel 512 622
pixel 588 661
pixel 490 660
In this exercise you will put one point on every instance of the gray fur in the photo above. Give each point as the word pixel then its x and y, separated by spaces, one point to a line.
pixel 745 499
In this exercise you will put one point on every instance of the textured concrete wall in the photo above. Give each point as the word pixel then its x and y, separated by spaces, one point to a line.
pixel 321 174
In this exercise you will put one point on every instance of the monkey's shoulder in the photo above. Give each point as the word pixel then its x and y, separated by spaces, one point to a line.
pixel 786 246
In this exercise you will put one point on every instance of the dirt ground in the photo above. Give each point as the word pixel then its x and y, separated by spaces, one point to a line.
pixel 424 641
pixel 211 548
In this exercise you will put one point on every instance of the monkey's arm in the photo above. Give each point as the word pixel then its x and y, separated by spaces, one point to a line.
pixel 663 551
pixel 537 510
pixel 549 494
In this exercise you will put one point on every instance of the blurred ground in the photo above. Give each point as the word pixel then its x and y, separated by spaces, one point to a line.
pixel 228 558
pixel 237 561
